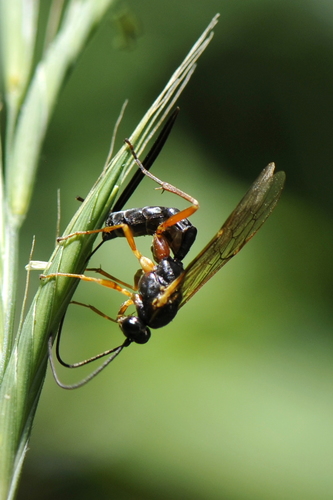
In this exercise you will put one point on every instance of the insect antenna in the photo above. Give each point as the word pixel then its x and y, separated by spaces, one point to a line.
pixel 112 353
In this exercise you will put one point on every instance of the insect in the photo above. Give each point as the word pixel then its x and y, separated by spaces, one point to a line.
pixel 162 288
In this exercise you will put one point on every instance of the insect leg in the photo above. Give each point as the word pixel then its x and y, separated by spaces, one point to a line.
pixel 103 282
pixel 124 307
pixel 109 276
pixel 164 297
pixel 147 162
pixel 183 214
pixel 146 263
pixel 92 231
pixel 94 309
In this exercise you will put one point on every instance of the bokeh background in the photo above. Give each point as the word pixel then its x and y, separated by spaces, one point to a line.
pixel 234 399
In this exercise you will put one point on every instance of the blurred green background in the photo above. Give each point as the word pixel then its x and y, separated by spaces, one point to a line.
pixel 234 399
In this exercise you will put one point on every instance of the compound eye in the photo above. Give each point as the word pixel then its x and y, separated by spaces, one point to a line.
pixel 135 330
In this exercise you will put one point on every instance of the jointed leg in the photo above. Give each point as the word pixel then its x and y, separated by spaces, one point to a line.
pixel 92 231
pixel 94 309
pixel 146 263
pixel 107 283
pixel 183 214
pixel 164 297
pixel 124 307
pixel 109 276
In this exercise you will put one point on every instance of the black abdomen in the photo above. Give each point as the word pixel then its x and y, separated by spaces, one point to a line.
pixel 145 221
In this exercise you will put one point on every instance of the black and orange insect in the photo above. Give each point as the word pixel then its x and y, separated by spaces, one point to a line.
pixel 162 287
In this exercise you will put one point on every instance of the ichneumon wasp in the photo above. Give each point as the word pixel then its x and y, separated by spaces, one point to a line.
pixel 162 288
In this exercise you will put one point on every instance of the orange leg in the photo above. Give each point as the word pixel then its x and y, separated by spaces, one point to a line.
pixel 168 291
pixel 183 214
pixel 124 307
pixel 146 263
pixel 107 283
pixel 109 276
pixel 165 186
pixel 92 231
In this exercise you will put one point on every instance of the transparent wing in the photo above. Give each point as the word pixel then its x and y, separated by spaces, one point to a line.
pixel 247 218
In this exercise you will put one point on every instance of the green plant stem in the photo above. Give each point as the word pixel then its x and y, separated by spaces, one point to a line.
pixel 25 370
pixel 9 286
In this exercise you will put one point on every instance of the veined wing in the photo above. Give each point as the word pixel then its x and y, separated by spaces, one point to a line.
pixel 247 218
